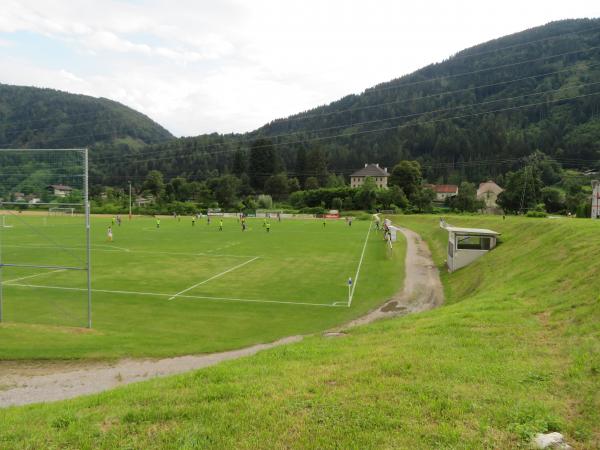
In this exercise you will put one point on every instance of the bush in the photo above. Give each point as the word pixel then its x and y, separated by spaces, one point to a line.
pixel 538 214
pixel 265 201
pixel 337 203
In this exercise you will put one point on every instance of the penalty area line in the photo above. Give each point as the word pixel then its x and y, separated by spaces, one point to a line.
pixel 32 276
pixel 213 277
pixel 362 255
pixel 183 296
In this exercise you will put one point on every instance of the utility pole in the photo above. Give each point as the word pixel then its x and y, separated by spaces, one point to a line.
pixel 129 200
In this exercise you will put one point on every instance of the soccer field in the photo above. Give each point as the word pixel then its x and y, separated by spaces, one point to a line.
pixel 182 289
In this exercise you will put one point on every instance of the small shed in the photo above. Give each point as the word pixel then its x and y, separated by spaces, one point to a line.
pixel 465 245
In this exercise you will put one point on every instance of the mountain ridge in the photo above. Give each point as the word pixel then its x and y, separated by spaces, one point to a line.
pixel 45 117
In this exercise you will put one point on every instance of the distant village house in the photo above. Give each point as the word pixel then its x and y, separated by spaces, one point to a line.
pixel 378 174
pixel 144 201
pixel 488 192
pixel 60 190
pixel 443 191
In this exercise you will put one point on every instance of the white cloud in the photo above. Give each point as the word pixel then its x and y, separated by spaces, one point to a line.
pixel 201 65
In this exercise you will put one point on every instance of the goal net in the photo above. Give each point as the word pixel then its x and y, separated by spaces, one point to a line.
pixel 44 244
pixel 61 211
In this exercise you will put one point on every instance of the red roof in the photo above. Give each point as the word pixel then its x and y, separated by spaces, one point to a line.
pixel 445 188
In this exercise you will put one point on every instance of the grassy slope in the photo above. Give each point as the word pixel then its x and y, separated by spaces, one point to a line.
pixel 300 261
pixel 515 351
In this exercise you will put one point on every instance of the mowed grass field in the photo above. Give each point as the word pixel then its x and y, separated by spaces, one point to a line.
pixel 515 351
pixel 182 289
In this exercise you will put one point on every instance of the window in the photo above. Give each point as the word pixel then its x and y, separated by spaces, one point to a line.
pixel 473 242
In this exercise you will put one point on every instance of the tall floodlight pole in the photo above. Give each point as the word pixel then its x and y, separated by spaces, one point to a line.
pixel 129 200
pixel 86 202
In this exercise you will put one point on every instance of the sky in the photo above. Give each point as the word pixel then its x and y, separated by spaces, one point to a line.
pixel 203 66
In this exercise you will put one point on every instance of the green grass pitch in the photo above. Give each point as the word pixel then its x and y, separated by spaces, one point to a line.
pixel 184 289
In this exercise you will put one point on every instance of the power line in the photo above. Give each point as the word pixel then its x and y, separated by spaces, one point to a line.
pixel 302 117
pixel 384 119
pixel 203 154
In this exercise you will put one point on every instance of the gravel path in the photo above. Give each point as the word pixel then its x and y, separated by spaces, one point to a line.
pixel 33 382
pixel 68 382
pixel 422 286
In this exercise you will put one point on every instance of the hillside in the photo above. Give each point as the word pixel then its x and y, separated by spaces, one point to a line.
pixel 470 117
pixel 46 118
pixel 515 351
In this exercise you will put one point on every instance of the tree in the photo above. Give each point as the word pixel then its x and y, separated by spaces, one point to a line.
pixel 311 183
pixel 466 199
pixel 554 199
pixel 277 186
pixel 393 196
pixel 154 183
pixel 317 164
pixel 262 162
pixel 265 201
pixel 366 195
pixel 407 175
pixel 522 190
pixel 337 203
pixel 334 181
pixel 421 199
pixel 301 165
pixel 293 185
pixel 240 163
pixel 225 189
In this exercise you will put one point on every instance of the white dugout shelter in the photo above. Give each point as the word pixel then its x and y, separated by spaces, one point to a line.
pixel 465 245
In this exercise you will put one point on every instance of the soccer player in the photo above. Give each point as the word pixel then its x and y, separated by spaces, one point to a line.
pixel 349 221
pixel 109 234
pixel 207 219
pixel 324 222
pixel 157 223
pixel 193 220
pixel 221 225
pixel 113 220
pixel 264 222
pixel 268 226
pixel 119 220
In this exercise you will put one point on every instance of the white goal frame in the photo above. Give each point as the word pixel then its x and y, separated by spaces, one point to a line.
pixel 61 210
pixel 86 267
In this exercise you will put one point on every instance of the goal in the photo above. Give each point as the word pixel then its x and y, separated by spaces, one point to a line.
pixel 60 211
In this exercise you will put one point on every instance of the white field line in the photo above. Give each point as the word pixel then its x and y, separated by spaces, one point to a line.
pixel 201 297
pixel 214 276
pixel 33 276
pixel 127 250
pixel 362 255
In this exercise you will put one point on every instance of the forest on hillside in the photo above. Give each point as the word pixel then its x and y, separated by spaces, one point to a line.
pixel 471 117
pixel 46 118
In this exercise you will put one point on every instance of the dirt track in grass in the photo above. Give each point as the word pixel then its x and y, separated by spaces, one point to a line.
pixel 34 382
pixel 422 286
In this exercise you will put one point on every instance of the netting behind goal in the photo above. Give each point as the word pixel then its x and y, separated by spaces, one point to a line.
pixel 61 211
pixel 44 246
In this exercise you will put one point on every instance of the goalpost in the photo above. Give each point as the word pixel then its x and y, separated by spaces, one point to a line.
pixel 59 211
pixel 27 176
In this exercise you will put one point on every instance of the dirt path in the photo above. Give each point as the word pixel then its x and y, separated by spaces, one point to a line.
pixel 422 286
pixel 33 382
pixel 73 381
